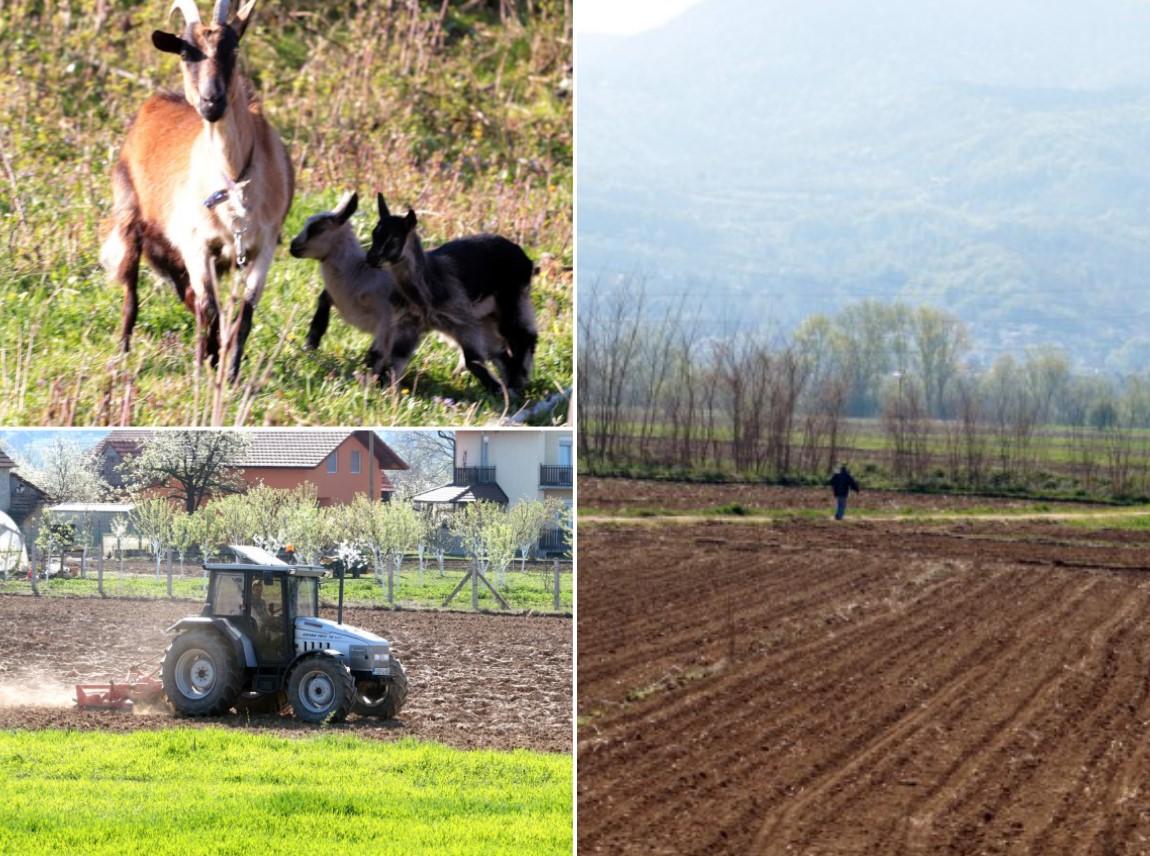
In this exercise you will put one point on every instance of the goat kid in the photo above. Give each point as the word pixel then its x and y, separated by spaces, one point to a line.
pixel 361 293
pixel 202 184
pixel 475 290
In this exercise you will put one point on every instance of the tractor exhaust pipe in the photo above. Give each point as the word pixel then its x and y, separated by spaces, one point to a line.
pixel 339 609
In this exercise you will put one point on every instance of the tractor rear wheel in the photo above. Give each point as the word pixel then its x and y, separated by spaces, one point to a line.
pixel 321 689
pixel 201 675
pixel 382 699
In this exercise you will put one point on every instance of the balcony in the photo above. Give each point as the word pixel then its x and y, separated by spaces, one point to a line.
pixel 553 542
pixel 474 475
pixel 553 476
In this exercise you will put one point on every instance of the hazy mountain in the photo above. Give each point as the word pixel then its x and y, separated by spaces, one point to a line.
pixel 785 157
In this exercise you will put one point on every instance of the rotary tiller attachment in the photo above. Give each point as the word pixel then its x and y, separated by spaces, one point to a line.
pixel 120 696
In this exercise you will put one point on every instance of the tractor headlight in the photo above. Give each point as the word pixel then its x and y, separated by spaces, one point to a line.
pixel 379 657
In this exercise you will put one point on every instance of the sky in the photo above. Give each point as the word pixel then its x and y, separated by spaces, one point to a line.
pixel 626 16
pixel 29 444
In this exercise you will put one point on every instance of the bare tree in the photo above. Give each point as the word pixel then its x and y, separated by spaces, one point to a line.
pixel 430 456
pixel 940 340
pixel 609 345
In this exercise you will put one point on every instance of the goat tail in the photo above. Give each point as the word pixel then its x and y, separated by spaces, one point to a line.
pixel 119 228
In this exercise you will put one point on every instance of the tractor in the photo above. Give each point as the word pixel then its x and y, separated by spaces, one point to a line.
pixel 259 644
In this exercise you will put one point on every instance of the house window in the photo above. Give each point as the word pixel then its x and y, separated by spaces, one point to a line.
pixel 356 462
pixel 484 455
pixel 333 463
pixel 564 453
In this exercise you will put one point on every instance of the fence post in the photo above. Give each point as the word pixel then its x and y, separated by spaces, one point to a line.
pixel 475 585
pixel 171 596
pixel 556 601
pixel 100 570
pixel 32 572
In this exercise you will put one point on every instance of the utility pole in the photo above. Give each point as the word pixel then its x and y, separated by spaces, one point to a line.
pixel 371 466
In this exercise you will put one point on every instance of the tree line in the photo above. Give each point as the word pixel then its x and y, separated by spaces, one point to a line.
pixel 658 391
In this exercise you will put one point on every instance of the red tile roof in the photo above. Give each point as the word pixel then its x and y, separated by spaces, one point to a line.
pixel 125 442
pixel 274 447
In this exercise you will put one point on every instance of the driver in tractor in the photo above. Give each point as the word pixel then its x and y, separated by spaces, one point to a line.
pixel 268 631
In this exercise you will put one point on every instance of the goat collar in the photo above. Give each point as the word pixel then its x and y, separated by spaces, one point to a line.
pixel 231 184
pixel 239 222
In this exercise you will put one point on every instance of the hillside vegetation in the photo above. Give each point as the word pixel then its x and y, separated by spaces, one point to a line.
pixel 453 108
pixel 987 158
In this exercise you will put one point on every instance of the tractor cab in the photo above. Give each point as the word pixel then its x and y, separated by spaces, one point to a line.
pixel 262 597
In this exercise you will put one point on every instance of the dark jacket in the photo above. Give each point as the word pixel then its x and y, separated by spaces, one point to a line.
pixel 842 483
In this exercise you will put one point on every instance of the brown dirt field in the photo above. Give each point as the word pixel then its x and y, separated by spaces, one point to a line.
pixel 476 681
pixel 615 495
pixel 863 688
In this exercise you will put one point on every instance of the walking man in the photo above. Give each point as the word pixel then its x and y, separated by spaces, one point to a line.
pixel 842 483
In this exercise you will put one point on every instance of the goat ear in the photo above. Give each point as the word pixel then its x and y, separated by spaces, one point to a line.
pixel 383 212
pixel 410 219
pixel 243 18
pixel 348 208
pixel 166 42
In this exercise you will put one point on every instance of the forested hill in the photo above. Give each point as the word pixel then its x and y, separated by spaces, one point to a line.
pixel 784 157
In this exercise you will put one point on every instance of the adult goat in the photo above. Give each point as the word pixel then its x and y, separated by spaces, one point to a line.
pixel 202 185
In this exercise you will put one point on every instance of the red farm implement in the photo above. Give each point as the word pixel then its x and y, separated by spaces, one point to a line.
pixel 124 695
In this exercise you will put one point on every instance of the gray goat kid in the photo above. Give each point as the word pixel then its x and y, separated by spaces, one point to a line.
pixel 362 294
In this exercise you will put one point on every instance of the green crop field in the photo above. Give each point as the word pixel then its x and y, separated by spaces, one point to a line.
pixel 193 791
pixel 1056 462
pixel 448 108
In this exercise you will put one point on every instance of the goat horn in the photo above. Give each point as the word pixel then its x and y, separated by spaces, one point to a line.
pixel 188 8
pixel 220 13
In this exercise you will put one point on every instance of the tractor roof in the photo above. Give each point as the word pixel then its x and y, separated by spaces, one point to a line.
pixel 256 560
pixel 282 570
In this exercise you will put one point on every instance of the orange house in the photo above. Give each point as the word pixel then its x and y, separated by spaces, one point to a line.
pixel 340 464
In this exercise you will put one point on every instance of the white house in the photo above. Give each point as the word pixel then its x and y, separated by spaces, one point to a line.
pixel 508 467
pixel 21 500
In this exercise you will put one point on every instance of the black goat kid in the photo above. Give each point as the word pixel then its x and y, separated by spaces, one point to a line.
pixel 474 290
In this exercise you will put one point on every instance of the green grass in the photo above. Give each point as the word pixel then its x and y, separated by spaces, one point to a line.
pixel 193 791
pixel 1132 524
pixel 469 123
pixel 531 590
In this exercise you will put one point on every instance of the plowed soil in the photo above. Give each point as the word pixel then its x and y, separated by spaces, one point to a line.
pixel 499 682
pixel 865 687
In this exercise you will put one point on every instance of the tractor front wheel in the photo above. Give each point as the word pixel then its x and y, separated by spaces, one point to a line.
pixel 321 689
pixel 382 699
pixel 201 675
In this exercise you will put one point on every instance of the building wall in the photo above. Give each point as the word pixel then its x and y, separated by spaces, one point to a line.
pixel 336 488
pixel 5 489
pixel 554 441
